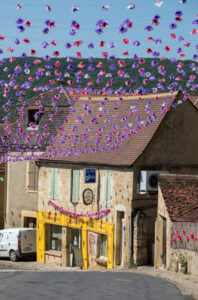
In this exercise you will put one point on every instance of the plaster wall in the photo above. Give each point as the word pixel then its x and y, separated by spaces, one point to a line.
pixel 18 196
pixel 121 195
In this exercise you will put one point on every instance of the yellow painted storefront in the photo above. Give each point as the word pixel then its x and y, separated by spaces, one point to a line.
pixel 84 224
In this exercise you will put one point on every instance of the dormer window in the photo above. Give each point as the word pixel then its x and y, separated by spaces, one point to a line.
pixel 34 117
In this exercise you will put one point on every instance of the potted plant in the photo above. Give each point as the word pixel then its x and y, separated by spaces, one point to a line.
pixel 182 264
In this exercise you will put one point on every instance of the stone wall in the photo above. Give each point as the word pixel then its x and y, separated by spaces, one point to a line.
pixel 191 258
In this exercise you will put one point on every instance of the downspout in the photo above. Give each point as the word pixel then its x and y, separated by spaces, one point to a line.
pixel 98 192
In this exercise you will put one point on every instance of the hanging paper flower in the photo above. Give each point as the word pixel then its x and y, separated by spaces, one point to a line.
pixel 21 28
pixel 19 5
pixel 159 3
pixel 105 7
pixel 74 9
pixel 46 30
pixel 48 8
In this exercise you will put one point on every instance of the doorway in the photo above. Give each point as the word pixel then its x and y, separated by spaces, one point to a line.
pixel 119 238
pixel 29 222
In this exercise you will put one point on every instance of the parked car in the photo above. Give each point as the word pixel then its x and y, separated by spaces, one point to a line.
pixel 17 242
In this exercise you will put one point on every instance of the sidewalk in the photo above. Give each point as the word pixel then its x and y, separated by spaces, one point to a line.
pixel 187 284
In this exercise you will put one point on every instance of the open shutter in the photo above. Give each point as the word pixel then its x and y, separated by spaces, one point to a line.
pixel 31 175
pixel 75 186
pixel 105 188
pixel 109 184
pixel 53 183
pixel 35 177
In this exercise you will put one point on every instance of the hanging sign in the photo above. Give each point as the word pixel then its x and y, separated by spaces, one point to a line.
pixel 90 175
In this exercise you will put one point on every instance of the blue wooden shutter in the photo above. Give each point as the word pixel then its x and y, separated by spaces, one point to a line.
pixel 75 186
pixel 53 183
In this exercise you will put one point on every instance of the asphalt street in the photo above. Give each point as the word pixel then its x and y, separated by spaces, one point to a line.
pixel 85 285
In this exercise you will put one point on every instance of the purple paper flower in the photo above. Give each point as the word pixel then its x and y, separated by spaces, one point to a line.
pixel 1 51
pixel 179 13
pixel 19 21
pixel 135 57
pixel 91 59
pixel 45 44
pixel 173 26
pixel 27 64
pixel 179 50
pixel 173 60
pixel 46 30
pixel 154 63
pixel 156 17
pixel 23 55
pixel 156 54
pixel 21 28
pixel 99 31
pixel 47 22
pixel 68 45
pixel 47 58
pixel 91 46
pixel 122 29
pixel 70 58
pixel 72 32
pixel 17 42
pixel 111 45
pixel 158 41
pixel 136 43
pixel 70 67
pixel 112 67
pixel 180 38
pixel 111 57
pixel 148 28
pixel 135 65
pixel 195 22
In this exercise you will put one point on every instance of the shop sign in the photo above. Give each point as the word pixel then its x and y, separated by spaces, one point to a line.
pixel 90 175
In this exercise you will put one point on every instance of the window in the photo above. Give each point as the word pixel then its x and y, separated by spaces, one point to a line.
pixel 107 188
pixel 55 238
pixel 75 174
pixel 32 176
pixel 103 245
pixel 54 183
pixel 34 117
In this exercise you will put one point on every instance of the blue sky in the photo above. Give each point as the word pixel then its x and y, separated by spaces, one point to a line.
pixel 90 11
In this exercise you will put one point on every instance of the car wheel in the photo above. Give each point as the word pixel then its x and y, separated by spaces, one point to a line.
pixel 13 255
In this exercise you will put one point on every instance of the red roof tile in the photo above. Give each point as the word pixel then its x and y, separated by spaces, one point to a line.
pixel 180 193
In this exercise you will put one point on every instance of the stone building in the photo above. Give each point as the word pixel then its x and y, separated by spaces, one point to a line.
pixel 176 237
pixel 36 121
pixel 162 132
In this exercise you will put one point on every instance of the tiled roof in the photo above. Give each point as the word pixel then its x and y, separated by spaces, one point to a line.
pixel 180 193
pixel 49 109
pixel 106 153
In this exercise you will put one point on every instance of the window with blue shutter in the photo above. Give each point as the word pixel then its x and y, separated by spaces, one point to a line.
pixel 107 188
pixel 75 186
pixel 54 183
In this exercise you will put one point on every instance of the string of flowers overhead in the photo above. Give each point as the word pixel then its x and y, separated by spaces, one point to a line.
pixel 62 211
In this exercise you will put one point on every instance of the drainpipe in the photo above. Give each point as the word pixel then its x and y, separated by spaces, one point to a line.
pixel 98 191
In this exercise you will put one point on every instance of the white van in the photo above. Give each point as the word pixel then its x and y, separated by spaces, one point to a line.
pixel 17 242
